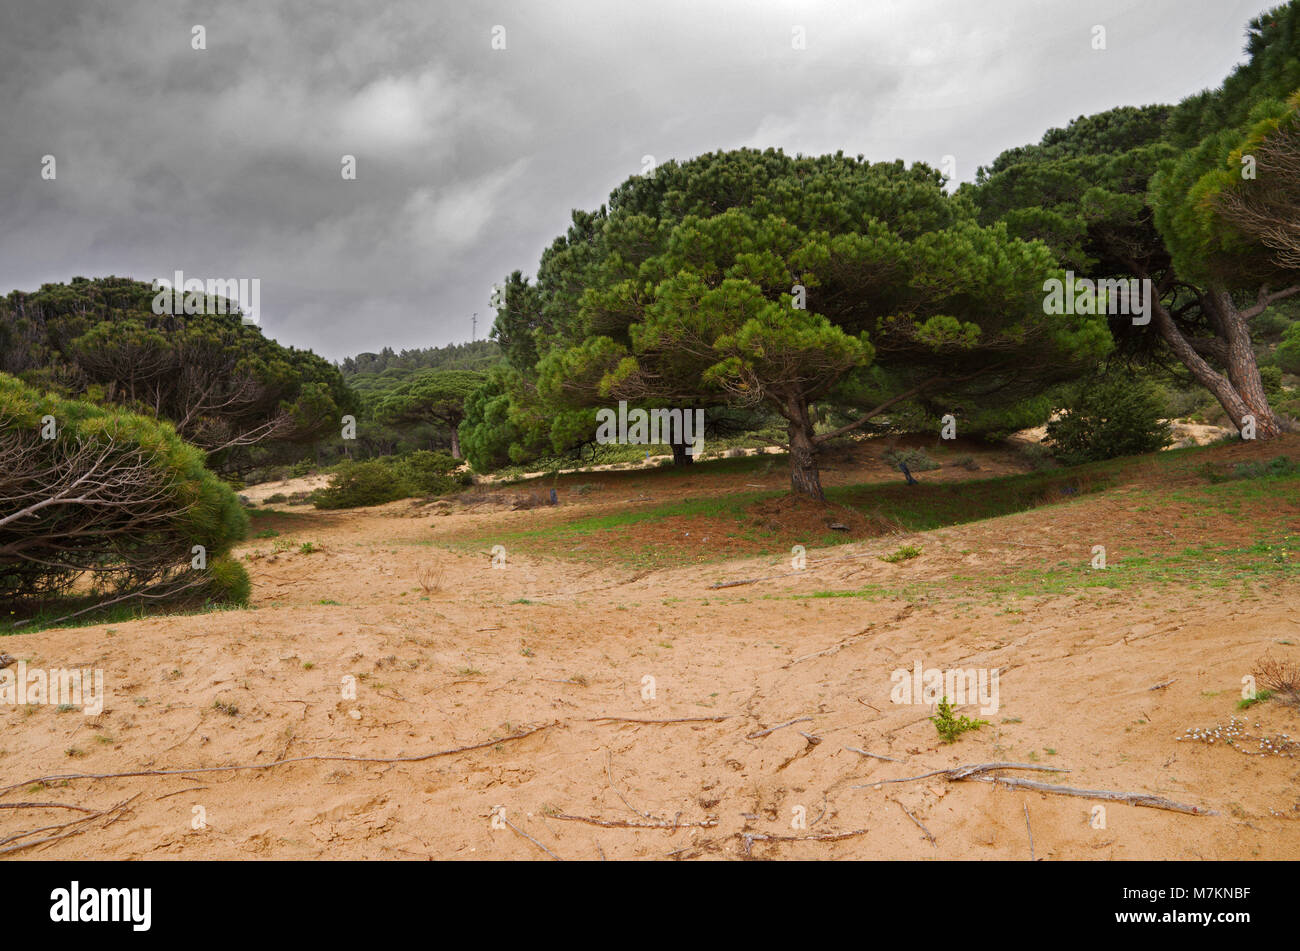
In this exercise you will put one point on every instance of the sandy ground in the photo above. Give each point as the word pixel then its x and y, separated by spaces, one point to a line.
pixel 448 652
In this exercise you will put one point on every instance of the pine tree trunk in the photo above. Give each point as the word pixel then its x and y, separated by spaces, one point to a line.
pixel 1243 369
pixel 680 456
pixel 455 443
pixel 805 479
pixel 1241 363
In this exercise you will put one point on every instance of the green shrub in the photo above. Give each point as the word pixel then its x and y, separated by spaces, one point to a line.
pixel 357 484
pixel 228 582
pixel 1108 417
pixel 916 460
pixel 430 473
pixel 1271 378
pixel 1287 353
pixel 903 554
pixel 143 499
pixel 949 726
pixel 1039 456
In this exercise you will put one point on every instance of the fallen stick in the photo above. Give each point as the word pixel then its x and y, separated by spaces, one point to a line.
pixel 854 749
pixel 772 729
pixel 180 792
pixel 520 831
pixel 1162 685
pixel 751 837
pixel 1031 834
pixel 963 772
pixel 865 632
pixel 283 762
pixel 45 805
pixel 835 648
pixel 609 773
pixel 1131 798
pixel 918 822
pixel 119 809
pixel 707 823
pixel 678 720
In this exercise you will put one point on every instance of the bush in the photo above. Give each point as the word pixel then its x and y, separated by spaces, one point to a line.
pixel 1039 456
pixel 916 460
pixel 1271 378
pixel 357 484
pixel 1287 353
pixel 1108 417
pixel 430 473
pixel 950 726
pixel 138 499
pixel 228 582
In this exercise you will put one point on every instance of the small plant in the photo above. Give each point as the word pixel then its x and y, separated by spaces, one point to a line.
pixel 949 726
pixel 905 553
pixel 1279 677
pixel 306 548
pixel 1262 696
pixel 308 665
pixel 430 579
pixel 64 708
pixel 229 709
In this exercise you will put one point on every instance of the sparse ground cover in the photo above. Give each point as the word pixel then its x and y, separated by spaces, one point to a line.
pixel 523 688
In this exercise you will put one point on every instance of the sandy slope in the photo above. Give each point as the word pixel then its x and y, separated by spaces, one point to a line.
pixel 469 663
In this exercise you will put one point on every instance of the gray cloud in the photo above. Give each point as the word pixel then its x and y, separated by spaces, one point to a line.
pixel 225 162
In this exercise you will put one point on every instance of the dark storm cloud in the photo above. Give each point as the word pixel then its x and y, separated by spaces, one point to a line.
pixel 226 162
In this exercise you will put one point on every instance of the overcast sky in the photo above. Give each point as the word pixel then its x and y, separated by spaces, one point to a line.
pixel 226 162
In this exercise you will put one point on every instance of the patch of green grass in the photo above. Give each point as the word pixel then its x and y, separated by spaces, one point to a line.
pixel 903 554
pixel 1261 696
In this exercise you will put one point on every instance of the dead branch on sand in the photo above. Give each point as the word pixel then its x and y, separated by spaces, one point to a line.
pixel 677 720
pixel 750 838
pixel 963 772
pixel 115 812
pixel 918 822
pixel 514 828
pixel 708 822
pixel 1131 798
pixel 976 772
pixel 854 749
pixel 772 729
pixel 519 735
